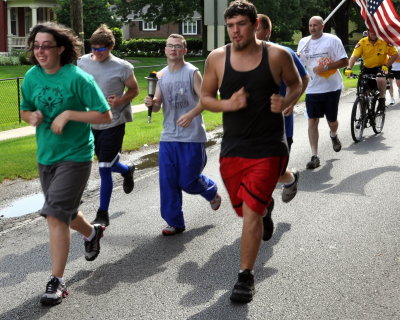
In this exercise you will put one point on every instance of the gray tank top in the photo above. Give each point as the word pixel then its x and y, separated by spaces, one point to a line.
pixel 179 98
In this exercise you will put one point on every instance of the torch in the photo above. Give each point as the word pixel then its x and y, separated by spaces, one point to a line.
pixel 151 89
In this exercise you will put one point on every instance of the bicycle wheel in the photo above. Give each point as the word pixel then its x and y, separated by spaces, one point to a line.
pixel 379 121
pixel 357 120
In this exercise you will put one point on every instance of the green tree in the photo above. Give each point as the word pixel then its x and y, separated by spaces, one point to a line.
pixel 159 11
pixel 95 12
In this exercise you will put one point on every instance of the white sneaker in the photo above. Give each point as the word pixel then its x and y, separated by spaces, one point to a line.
pixel 392 102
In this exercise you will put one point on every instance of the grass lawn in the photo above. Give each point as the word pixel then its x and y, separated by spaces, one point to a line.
pixel 18 156
pixel 9 117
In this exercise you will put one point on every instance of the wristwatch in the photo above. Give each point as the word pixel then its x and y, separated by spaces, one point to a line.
pixel 326 68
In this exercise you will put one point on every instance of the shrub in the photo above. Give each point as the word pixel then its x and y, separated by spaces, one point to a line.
pixel 155 47
pixel 117 32
pixel 9 61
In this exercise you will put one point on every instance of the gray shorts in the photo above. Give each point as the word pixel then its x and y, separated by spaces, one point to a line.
pixel 63 185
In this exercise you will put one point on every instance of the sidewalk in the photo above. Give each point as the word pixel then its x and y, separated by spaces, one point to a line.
pixel 29 131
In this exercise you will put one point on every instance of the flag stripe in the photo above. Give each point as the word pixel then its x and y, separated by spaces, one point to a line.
pixel 381 17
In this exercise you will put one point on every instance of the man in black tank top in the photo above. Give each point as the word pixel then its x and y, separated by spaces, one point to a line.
pixel 254 152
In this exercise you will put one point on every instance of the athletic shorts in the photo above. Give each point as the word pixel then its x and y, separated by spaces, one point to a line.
pixel 377 71
pixel 396 74
pixel 63 185
pixel 108 144
pixel 251 181
pixel 323 104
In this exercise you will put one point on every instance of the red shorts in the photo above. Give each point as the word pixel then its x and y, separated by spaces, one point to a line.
pixel 251 181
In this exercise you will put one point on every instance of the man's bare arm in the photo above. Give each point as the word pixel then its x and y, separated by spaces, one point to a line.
pixel 131 92
pixel 290 76
pixel 210 86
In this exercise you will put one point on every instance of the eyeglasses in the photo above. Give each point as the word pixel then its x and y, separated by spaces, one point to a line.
pixel 45 47
pixel 175 46
pixel 99 49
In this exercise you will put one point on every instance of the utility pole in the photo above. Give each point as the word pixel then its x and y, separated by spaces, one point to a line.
pixel 76 13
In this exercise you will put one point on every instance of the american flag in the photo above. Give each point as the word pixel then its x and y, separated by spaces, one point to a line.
pixel 381 16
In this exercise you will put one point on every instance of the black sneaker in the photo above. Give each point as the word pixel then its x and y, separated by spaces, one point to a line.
pixel 101 218
pixel 55 292
pixel 92 248
pixel 128 179
pixel 268 224
pixel 313 163
pixel 244 290
pixel 336 144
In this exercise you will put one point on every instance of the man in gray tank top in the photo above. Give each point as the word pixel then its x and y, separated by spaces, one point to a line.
pixel 182 155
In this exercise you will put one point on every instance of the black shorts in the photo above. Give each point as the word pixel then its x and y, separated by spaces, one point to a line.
pixel 108 144
pixel 377 71
pixel 396 74
pixel 323 104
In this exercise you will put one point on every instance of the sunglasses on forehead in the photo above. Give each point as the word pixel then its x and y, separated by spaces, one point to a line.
pixel 99 49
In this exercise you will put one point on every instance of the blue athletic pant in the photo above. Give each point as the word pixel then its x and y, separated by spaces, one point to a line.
pixel 180 166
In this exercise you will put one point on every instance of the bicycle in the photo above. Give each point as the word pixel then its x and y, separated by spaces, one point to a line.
pixel 364 114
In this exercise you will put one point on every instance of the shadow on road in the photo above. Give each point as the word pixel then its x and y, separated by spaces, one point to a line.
pixel 141 263
pixel 221 270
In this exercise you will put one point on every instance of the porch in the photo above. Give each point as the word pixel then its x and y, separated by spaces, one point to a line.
pixel 22 15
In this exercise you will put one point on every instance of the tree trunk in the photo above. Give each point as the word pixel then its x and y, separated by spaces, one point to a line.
pixel 76 13
pixel 340 20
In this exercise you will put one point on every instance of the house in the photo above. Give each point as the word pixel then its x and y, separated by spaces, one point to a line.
pixel 136 27
pixel 18 16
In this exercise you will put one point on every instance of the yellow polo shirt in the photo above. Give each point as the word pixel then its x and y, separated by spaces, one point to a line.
pixel 374 54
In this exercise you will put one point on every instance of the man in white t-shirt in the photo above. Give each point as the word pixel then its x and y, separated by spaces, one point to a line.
pixel 396 72
pixel 322 54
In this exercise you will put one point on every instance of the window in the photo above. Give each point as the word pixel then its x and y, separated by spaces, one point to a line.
pixel 189 27
pixel 149 26
pixel 28 20
pixel 13 19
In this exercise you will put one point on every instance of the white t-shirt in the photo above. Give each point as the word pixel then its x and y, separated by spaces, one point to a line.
pixel 396 64
pixel 327 49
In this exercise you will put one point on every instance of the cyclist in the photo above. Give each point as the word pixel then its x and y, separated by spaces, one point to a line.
pixel 377 56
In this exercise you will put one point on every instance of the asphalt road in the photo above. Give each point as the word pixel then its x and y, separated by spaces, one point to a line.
pixel 334 254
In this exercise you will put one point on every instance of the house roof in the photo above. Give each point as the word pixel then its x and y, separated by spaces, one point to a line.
pixel 137 17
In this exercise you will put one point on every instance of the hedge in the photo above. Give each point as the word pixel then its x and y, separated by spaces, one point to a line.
pixel 155 47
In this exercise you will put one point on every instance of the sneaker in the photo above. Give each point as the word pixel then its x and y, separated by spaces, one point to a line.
pixel 170 231
pixel 337 146
pixel 92 248
pixel 313 163
pixel 290 191
pixel 244 290
pixel 55 292
pixel 101 218
pixel 268 224
pixel 392 102
pixel 216 202
pixel 128 179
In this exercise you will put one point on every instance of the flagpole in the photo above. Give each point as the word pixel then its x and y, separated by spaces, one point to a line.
pixel 324 22
pixel 334 11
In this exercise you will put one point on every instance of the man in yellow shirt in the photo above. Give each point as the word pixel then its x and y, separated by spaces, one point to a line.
pixel 377 55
